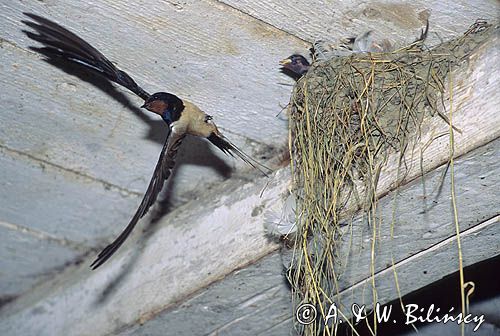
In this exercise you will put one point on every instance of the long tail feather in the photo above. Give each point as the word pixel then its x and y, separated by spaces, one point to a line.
pixel 231 149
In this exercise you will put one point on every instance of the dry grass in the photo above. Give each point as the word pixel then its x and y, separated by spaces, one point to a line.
pixel 346 116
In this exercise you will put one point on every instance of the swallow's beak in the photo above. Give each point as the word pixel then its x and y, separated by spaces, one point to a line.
pixel 285 61
pixel 145 105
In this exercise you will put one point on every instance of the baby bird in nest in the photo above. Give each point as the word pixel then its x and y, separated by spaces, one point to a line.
pixel 296 64
pixel 367 42
pixel 182 117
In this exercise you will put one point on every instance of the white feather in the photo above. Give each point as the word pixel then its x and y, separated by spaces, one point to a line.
pixel 280 219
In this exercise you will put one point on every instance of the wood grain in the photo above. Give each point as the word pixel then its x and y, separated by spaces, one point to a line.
pixel 399 21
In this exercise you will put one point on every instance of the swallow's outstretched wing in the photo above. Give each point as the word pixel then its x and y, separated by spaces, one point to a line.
pixel 161 173
pixel 61 43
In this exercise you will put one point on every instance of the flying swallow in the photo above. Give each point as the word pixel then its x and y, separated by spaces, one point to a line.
pixel 181 116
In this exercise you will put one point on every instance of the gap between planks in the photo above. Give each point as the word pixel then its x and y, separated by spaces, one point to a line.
pixel 107 185
pixel 450 240
pixel 223 4
pixel 44 236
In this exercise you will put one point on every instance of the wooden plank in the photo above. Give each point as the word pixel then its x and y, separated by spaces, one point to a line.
pixel 212 226
pixel 50 218
pixel 225 308
pixel 256 300
pixel 421 218
pixel 479 243
pixel 252 301
pixel 201 242
pixel 77 157
pixel 400 22
pixel 27 259
pixel 205 48
pixel 61 204
pixel 423 245
pixel 166 257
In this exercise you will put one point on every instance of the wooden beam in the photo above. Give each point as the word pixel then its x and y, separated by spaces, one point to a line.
pixel 398 21
pixel 422 248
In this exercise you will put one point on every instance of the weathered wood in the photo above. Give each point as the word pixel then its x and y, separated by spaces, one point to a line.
pixel 198 50
pixel 80 155
pixel 423 245
pixel 478 243
pixel 164 257
pixel 25 260
pixel 204 241
pixel 256 300
pixel 37 197
pixel 251 301
pixel 400 22
pixel 50 218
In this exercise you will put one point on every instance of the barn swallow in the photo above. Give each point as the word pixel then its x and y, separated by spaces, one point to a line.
pixel 297 64
pixel 367 42
pixel 182 117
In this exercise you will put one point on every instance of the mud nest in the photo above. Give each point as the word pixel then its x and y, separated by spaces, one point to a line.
pixel 347 115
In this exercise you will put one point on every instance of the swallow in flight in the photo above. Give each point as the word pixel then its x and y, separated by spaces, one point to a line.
pixel 181 116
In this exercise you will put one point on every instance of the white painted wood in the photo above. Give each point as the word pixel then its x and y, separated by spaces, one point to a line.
pixel 425 241
pixel 79 156
pixel 148 274
pixel 252 301
pixel 222 60
pixel 423 245
pixel 50 218
pixel 421 269
pixel 53 118
pixel 399 21
pixel 203 241
pixel 61 204
pixel 25 260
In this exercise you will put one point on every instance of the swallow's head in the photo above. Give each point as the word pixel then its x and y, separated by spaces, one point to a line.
pixel 296 64
pixel 167 105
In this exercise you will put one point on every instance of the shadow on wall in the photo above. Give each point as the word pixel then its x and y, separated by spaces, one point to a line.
pixel 194 151
pixel 188 154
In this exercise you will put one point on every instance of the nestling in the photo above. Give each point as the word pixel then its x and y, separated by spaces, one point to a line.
pixel 297 64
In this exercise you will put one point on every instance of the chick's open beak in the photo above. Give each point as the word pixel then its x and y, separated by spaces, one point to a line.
pixel 285 61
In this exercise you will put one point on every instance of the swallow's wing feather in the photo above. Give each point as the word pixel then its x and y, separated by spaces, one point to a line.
pixel 60 42
pixel 161 173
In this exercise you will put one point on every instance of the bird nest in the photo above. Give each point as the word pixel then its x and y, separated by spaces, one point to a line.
pixel 347 115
